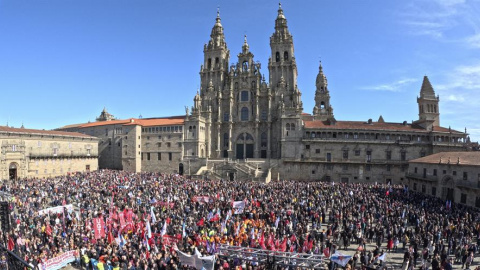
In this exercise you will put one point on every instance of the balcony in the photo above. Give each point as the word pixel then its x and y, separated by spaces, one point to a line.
pixel 468 185
pixel 60 156
pixel 420 177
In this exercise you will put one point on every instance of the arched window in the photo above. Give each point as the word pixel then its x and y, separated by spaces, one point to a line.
pixel 244 96
pixel 254 85
pixel 263 140
pixel 322 105
pixel 209 63
pixel 313 134
pixel 292 126
pixel 225 139
pixel 277 57
pixel 285 56
pixel 244 114
pixel 245 66
pixel 217 62
pixel 236 85
pixel 288 126
pixel 434 108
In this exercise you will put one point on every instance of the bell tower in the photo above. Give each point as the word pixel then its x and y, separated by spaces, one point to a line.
pixel 216 57
pixel 428 110
pixel 282 63
pixel 323 110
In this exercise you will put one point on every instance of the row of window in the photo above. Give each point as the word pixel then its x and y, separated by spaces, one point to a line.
pixel 380 136
pixel 149 156
pixel 163 129
pixel 434 173
pixel 368 167
pixel 433 192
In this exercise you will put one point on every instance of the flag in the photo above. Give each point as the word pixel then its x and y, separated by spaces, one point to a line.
pixel 152 213
pixel 200 223
pixel 48 230
pixel 383 257
pixel 216 217
pixel 121 240
pixel 149 230
pixel 184 234
pixel 326 252
pixel 164 229
pixel 340 259
pixel 110 237
pixel 11 244
pixel 276 222
pixel 99 227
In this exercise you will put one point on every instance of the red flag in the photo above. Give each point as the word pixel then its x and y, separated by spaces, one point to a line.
pixel 99 227
pixel 110 237
pixel 200 223
pixel 11 244
pixel 283 245
pixel 262 241
pixel 216 217
pixel 122 220
pixel 48 230
pixel 326 252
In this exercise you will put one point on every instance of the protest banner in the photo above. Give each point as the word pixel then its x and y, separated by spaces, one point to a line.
pixel 238 207
pixel 56 209
pixel 60 261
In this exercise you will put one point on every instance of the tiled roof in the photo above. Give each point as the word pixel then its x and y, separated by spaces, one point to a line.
pixel 358 125
pixel 105 123
pixel 146 122
pixel 461 158
pixel 4 129
pixel 167 121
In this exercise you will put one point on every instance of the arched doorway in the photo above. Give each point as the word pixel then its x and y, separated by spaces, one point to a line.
pixel 448 191
pixel 180 168
pixel 244 146
pixel 12 171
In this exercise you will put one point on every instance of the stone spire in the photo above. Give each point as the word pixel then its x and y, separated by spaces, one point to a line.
pixel 217 37
pixel 322 110
pixel 281 28
pixel 428 106
pixel 105 116
pixel 245 47
pixel 427 90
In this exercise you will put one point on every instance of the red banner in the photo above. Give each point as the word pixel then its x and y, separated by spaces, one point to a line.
pixel 202 199
pixel 122 220
pixel 168 240
pixel 99 227
pixel 171 205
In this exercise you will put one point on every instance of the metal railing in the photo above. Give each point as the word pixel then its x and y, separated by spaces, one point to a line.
pixel 11 261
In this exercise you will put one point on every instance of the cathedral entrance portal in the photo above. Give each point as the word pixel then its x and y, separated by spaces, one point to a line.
pixel 244 147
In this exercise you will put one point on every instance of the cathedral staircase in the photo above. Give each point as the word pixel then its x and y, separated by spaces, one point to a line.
pixel 258 170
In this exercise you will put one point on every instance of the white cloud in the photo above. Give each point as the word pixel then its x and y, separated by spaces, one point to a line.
pixel 396 86
pixel 439 19
pixel 473 41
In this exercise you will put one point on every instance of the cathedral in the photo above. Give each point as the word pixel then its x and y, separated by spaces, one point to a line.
pixel 247 126
pixel 238 113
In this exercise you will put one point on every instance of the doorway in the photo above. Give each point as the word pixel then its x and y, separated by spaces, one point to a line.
pixel 12 171
pixel 244 148
pixel 180 168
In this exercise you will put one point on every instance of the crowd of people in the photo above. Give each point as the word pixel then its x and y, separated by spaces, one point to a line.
pixel 146 218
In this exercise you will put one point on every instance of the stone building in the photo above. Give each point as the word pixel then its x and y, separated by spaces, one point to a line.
pixel 452 176
pixel 45 153
pixel 149 144
pixel 239 116
pixel 244 127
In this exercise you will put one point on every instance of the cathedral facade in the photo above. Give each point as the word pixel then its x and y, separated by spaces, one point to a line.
pixel 249 125
pixel 237 114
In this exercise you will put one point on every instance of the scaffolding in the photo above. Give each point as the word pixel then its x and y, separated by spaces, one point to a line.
pixel 273 258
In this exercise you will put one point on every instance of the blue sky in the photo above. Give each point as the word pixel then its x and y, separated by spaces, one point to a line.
pixel 62 61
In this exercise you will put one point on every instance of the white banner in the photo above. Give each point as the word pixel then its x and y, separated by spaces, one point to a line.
pixel 59 261
pixel 238 207
pixel 56 209
pixel 340 259
pixel 197 261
